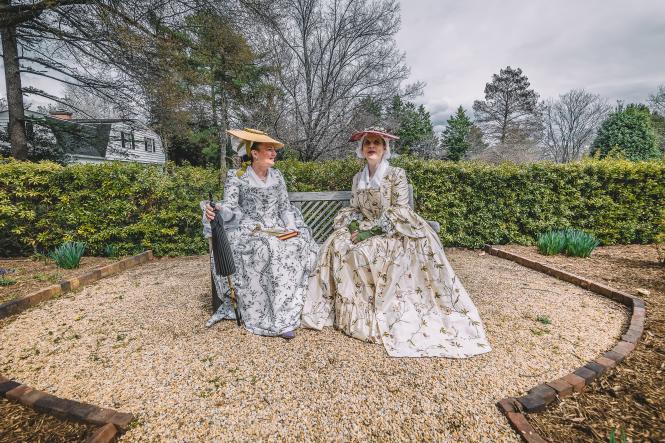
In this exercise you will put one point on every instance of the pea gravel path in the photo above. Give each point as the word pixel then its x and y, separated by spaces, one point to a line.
pixel 137 342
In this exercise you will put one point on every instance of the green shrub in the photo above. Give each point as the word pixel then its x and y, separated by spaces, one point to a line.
pixel 137 207
pixel 580 244
pixel 68 255
pixel 628 132
pixel 551 242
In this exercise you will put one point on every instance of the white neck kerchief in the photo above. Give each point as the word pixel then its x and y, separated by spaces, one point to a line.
pixel 364 180
pixel 254 180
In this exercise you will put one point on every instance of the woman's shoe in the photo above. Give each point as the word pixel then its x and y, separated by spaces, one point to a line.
pixel 288 335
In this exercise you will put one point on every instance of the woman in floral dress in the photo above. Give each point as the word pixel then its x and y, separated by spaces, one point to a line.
pixel 271 274
pixel 383 277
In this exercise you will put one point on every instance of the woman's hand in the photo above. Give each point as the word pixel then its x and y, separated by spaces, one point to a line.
pixel 354 237
pixel 210 212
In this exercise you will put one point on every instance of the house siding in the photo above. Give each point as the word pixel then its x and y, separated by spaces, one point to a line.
pixel 115 151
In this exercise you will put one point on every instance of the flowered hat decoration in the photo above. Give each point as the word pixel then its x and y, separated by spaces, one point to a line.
pixel 246 138
pixel 360 136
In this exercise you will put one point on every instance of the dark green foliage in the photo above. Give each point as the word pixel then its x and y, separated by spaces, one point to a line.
pixel 111 251
pixel 68 255
pixel 551 242
pixel 544 319
pixel 629 133
pixel 412 124
pixel 139 207
pixel 456 137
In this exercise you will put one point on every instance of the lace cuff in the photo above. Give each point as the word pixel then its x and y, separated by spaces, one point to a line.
pixel 386 225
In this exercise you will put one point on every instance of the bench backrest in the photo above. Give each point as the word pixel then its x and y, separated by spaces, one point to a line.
pixel 320 208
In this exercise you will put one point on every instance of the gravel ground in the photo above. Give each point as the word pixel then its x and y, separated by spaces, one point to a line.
pixel 137 342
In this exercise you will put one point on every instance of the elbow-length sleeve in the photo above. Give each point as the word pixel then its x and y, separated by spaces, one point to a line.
pixel 399 218
pixel 286 210
pixel 348 214
pixel 229 206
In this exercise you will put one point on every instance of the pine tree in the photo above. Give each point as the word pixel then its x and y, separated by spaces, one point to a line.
pixel 510 112
pixel 455 138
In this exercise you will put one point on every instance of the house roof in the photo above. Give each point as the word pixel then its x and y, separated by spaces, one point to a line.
pixel 81 138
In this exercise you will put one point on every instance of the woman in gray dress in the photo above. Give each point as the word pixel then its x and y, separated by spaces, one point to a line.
pixel 271 274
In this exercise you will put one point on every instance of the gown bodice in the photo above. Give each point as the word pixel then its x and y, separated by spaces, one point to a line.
pixel 370 202
pixel 260 205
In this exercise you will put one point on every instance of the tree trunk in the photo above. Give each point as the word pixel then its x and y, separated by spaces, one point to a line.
pixel 16 128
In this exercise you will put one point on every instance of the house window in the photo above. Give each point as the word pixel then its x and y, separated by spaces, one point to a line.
pixel 149 144
pixel 127 140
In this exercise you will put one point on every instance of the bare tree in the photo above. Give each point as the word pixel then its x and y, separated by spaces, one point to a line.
pixel 571 123
pixel 517 149
pixel 657 101
pixel 330 55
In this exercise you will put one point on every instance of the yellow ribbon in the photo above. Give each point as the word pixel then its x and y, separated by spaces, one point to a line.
pixel 243 167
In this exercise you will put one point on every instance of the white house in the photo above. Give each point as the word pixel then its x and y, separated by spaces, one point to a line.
pixel 99 140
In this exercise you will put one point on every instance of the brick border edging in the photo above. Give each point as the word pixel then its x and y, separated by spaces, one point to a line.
pixel 20 304
pixel 539 397
pixel 110 421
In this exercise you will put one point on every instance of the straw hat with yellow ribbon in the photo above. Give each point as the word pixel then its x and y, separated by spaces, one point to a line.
pixel 246 138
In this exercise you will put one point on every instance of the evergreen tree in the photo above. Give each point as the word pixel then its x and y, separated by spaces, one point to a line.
pixel 629 132
pixel 456 137
pixel 411 123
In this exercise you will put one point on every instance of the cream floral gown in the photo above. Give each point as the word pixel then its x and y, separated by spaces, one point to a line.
pixel 397 288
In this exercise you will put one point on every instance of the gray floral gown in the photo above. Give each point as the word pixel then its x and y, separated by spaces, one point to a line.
pixel 398 288
pixel 271 274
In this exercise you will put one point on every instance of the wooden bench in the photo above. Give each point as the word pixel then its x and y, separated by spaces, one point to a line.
pixel 320 208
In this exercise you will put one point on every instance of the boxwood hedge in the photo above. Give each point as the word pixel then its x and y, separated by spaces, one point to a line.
pixel 135 207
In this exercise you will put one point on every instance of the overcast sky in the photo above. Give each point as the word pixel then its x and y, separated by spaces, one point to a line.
pixel 608 47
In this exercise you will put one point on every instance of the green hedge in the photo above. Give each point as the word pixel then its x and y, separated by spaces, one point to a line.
pixel 137 207
pixel 132 206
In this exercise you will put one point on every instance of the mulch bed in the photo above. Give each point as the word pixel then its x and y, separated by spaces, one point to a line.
pixel 31 275
pixel 632 396
pixel 19 424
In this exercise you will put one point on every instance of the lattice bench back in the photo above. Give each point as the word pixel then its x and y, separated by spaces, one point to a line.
pixel 320 208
